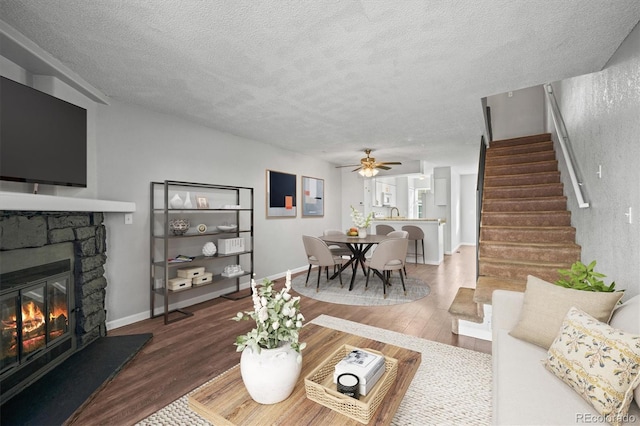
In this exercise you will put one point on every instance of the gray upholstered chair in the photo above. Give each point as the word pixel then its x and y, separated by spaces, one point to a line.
pixel 400 234
pixel 319 254
pixel 336 248
pixel 384 229
pixel 389 256
pixel 416 234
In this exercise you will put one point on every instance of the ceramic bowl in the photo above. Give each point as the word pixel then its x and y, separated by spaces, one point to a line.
pixel 227 227
pixel 179 226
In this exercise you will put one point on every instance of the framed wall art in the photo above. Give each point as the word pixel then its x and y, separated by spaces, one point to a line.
pixel 312 197
pixel 281 194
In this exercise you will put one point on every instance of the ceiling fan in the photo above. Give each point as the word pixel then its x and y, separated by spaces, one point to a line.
pixel 368 166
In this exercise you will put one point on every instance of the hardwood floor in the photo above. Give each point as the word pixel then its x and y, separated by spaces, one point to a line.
pixel 187 353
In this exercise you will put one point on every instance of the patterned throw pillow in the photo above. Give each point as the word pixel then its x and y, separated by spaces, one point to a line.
pixel 599 362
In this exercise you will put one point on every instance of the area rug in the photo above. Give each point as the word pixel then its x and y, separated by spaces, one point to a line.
pixel 332 292
pixel 451 387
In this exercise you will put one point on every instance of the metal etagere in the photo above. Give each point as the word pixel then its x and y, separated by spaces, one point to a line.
pixel 212 211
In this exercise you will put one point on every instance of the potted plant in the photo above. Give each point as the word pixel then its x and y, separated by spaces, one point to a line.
pixel 360 221
pixel 584 277
pixel 271 358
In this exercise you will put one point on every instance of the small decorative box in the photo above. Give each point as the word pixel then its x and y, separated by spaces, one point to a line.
pixel 230 245
pixel 205 278
pixel 179 283
pixel 366 366
pixel 190 272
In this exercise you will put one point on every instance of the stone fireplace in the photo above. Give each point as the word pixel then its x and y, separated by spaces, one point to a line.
pixel 52 291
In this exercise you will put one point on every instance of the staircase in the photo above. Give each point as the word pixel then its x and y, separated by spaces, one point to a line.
pixel 525 226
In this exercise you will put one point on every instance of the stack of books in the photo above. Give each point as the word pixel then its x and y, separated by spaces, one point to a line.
pixel 367 366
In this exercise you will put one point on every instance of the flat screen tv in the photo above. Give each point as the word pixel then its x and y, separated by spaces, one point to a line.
pixel 43 139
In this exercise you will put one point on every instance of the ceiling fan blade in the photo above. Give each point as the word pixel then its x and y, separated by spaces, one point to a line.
pixel 391 162
pixel 379 166
pixel 349 165
pixel 355 170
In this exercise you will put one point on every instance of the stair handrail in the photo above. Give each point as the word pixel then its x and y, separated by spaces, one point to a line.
pixel 479 191
pixel 565 144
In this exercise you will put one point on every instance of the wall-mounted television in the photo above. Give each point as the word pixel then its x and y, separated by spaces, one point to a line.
pixel 43 139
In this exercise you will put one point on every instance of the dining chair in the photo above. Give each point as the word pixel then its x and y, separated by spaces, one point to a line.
pixel 382 229
pixel 319 254
pixel 400 234
pixel 389 256
pixel 416 234
pixel 338 249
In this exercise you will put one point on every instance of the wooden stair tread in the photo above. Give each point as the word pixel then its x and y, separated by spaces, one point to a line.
pixel 519 262
pixel 465 308
pixel 486 285
pixel 550 245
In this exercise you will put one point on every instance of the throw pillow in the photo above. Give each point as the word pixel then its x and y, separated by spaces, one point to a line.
pixel 545 306
pixel 599 362
pixel 627 317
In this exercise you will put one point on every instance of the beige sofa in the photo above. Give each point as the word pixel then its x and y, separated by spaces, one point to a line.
pixel 524 391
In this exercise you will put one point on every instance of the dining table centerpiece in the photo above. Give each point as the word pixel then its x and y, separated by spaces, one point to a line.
pixel 360 221
pixel 271 359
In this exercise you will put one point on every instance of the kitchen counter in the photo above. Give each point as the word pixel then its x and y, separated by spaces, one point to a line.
pixel 433 237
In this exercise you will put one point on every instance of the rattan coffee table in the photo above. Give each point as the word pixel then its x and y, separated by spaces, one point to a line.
pixel 225 401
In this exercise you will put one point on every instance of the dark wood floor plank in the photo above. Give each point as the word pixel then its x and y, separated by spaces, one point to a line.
pixel 183 355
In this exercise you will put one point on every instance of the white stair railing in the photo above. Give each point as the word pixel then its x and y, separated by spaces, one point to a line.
pixel 563 139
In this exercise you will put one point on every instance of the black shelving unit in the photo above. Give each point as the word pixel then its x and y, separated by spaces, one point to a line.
pixel 224 204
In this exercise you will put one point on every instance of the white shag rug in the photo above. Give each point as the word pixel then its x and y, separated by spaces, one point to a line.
pixel 332 292
pixel 451 387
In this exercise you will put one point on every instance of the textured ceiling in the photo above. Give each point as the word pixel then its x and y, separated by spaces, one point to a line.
pixel 328 78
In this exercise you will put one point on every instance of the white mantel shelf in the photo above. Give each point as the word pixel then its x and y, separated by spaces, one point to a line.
pixel 52 203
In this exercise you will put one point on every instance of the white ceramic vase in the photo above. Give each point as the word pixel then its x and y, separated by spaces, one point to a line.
pixel 271 375
pixel 176 202
pixel 187 201
pixel 362 232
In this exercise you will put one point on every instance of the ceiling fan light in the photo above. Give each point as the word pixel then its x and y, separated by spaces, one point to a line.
pixel 375 172
pixel 361 172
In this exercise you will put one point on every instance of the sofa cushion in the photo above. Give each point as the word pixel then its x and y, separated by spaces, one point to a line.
pixel 627 317
pixel 599 362
pixel 546 305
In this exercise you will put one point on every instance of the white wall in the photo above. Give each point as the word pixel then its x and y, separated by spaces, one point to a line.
pixel 137 146
pixel 520 114
pixel 601 111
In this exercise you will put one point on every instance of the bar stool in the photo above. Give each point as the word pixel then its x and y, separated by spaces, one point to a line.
pixel 416 233
pixel 384 229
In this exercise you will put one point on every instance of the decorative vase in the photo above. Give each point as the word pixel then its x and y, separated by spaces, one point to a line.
pixel 362 232
pixel 271 375
pixel 209 249
pixel 176 202
pixel 187 201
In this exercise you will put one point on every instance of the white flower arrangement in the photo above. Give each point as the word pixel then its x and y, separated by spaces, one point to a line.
pixel 277 316
pixel 359 221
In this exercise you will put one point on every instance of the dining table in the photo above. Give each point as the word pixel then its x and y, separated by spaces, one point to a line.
pixel 359 247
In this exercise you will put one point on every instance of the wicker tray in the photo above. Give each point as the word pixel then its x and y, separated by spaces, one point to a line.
pixel 321 389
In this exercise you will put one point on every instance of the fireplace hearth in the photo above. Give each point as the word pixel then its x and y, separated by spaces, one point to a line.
pixel 52 292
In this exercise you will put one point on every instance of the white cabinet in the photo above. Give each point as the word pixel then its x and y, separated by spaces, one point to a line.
pixel 218 214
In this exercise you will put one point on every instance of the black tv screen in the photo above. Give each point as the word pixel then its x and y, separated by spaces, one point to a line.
pixel 43 139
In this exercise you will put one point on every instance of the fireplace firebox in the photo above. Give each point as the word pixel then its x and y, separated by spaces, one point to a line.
pixel 36 323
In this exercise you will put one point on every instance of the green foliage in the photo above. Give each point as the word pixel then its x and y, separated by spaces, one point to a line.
pixel 583 277
pixel 277 317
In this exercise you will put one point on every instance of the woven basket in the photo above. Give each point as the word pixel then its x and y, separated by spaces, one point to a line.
pixel 321 389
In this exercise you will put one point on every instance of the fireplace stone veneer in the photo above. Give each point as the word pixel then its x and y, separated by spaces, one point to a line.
pixel 26 237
